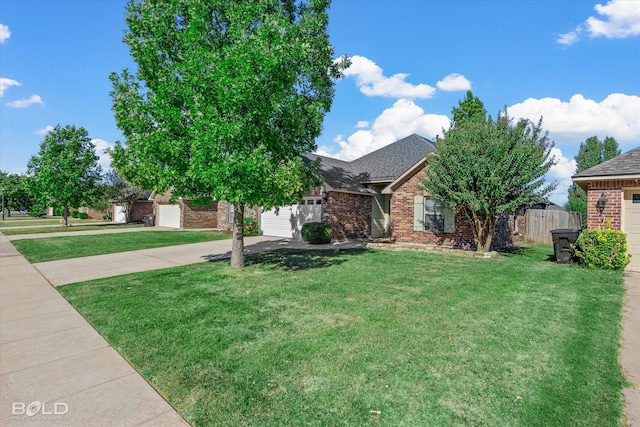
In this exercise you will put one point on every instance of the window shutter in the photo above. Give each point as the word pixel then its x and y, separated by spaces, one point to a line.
pixel 418 213
pixel 449 220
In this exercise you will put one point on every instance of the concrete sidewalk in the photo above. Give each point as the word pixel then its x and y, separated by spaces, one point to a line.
pixel 630 352
pixel 73 270
pixel 56 367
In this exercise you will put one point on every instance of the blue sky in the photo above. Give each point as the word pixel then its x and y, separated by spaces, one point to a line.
pixel 575 63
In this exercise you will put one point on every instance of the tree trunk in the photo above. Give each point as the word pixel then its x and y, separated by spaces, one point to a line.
pixel 65 216
pixel 237 243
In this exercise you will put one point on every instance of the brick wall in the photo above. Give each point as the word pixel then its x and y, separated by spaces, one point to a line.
pixel 199 216
pixel 402 211
pixel 140 209
pixel 613 210
pixel 348 214
pixel 223 224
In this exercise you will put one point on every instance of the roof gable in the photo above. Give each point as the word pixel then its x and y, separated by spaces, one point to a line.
pixel 384 165
pixel 624 164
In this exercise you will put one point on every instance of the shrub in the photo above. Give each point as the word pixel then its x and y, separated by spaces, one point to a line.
pixel 105 217
pixel 83 215
pixel 316 232
pixel 58 212
pixel 250 226
pixel 36 213
pixel 74 214
pixel 604 249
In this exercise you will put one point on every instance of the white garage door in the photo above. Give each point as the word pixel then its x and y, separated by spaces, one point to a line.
pixel 289 220
pixel 631 226
pixel 169 216
pixel 120 215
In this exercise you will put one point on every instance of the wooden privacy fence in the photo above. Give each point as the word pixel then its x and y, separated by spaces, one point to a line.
pixel 539 223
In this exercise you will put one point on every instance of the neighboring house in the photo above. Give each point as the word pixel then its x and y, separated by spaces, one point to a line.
pixel 185 213
pixel 141 207
pixel 377 196
pixel 618 180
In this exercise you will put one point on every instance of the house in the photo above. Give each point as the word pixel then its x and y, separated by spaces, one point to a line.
pixel 185 213
pixel 377 196
pixel 613 193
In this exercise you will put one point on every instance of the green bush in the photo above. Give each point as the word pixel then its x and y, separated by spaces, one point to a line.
pixel 83 215
pixel 36 213
pixel 250 226
pixel 316 232
pixel 58 212
pixel 74 214
pixel 604 249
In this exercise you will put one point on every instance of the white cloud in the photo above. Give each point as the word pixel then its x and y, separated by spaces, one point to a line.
pixel 25 103
pixel 560 172
pixel 101 146
pixel 372 82
pixel 619 19
pixel 454 82
pixel 618 115
pixel 570 38
pixel 362 124
pixel 6 83
pixel 5 34
pixel 396 122
pixel 45 130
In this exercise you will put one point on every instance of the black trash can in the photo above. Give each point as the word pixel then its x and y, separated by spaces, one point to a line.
pixel 563 238
pixel 149 220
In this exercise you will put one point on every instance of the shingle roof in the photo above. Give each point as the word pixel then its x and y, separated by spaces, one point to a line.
pixel 624 164
pixel 383 165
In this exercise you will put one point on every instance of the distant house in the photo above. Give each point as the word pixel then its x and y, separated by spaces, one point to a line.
pixel 185 213
pixel 617 183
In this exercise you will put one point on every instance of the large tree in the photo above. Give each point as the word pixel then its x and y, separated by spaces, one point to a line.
pixel 592 152
pixel 65 172
pixel 226 97
pixel 15 194
pixel 487 168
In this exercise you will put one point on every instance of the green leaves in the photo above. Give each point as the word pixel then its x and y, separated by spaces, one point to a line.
pixel 487 168
pixel 65 172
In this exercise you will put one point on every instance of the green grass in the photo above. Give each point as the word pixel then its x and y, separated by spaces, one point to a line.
pixel 25 221
pixel 366 337
pixel 65 247
pixel 43 230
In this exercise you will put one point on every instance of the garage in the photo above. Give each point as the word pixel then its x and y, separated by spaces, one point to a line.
pixel 631 226
pixel 288 221
pixel 169 216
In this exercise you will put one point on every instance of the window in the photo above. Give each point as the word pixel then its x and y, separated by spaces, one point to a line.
pixel 432 215
pixel 230 212
pixel 434 211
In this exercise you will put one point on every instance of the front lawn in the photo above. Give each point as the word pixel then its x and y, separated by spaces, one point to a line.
pixel 64 247
pixel 26 221
pixel 78 227
pixel 367 337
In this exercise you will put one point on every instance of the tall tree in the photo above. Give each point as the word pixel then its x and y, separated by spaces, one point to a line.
pixel 226 97
pixel 485 169
pixel 592 152
pixel 65 172
pixel 469 111
pixel 15 194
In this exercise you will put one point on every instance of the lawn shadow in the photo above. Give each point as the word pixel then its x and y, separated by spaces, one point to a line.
pixel 513 250
pixel 299 259
pixel 292 254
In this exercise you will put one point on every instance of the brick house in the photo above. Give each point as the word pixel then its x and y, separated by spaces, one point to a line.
pixel 616 183
pixel 185 213
pixel 377 196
